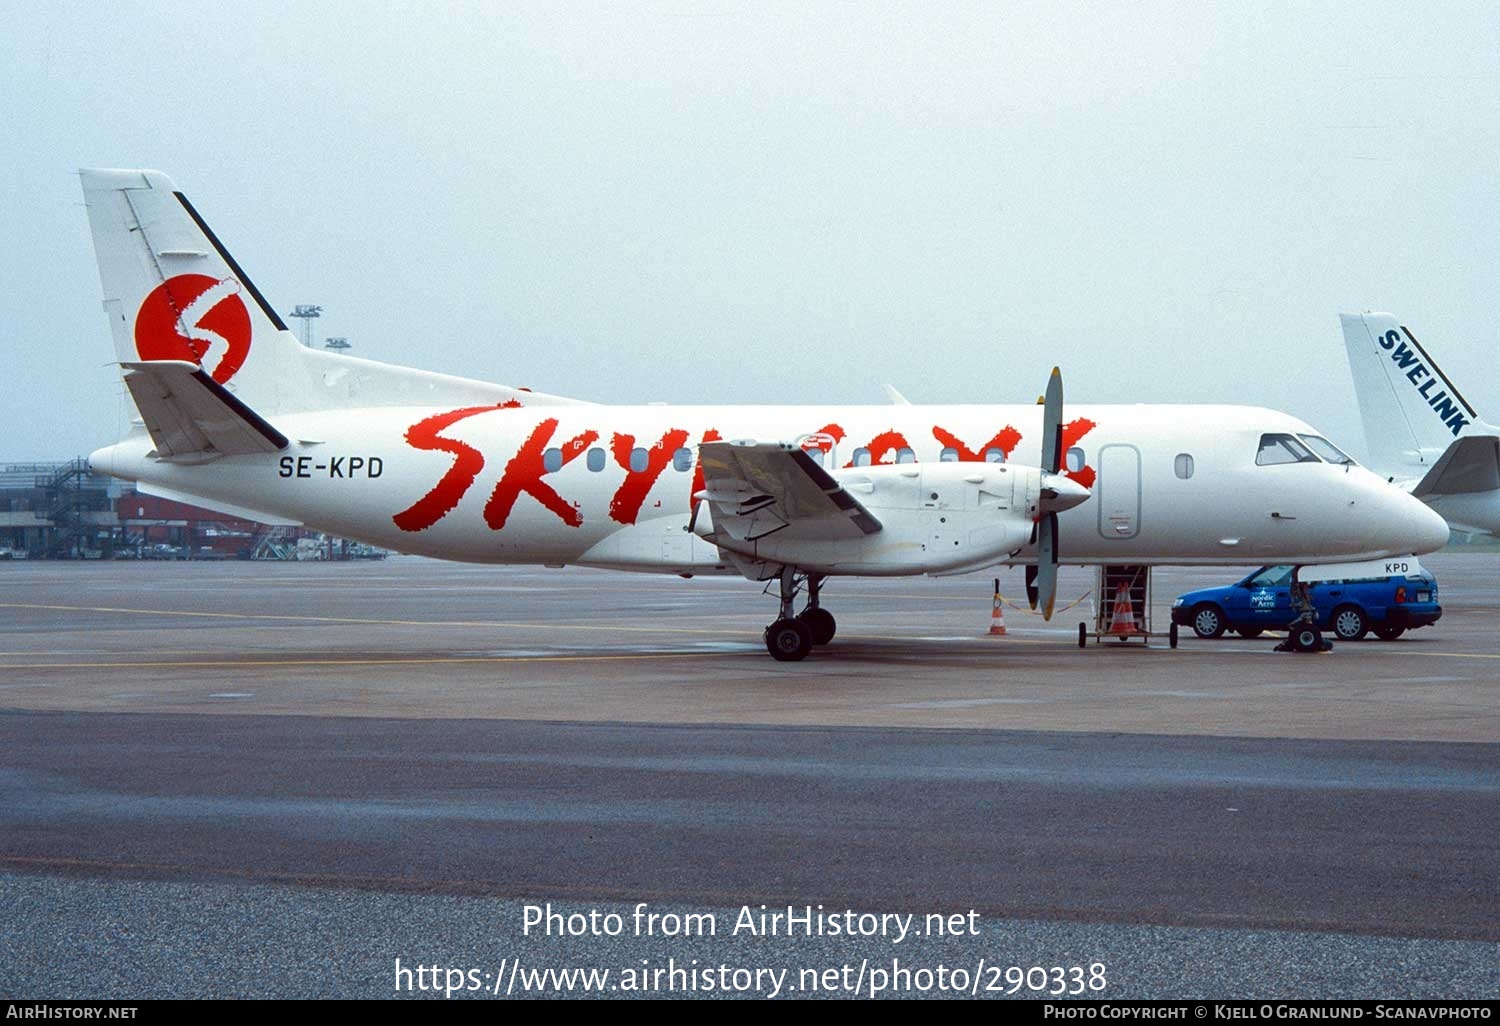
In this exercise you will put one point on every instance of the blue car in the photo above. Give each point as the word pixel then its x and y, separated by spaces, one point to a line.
pixel 1387 606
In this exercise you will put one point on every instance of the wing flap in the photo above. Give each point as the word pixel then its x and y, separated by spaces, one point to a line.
pixel 189 414
pixel 756 489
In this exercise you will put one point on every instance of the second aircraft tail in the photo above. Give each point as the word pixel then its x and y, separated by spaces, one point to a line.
pixel 1411 411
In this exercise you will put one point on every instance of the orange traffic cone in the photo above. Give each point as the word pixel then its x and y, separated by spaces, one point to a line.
pixel 1122 619
pixel 997 616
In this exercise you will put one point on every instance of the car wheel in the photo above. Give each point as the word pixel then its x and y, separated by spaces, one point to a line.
pixel 1350 623
pixel 1208 621
pixel 1249 632
pixel 1389 633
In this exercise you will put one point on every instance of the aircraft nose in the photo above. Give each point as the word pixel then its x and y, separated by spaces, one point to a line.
pixel 1391 522
pixel 1408 526
pixel 1060 493
pixel 1428 528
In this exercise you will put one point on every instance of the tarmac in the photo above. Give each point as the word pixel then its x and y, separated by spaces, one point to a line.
pixel 277 773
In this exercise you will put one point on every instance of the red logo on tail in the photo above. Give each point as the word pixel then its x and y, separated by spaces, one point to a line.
pixel 196 318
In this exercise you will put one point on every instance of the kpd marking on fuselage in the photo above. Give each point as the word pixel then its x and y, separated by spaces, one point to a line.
pixel 306 467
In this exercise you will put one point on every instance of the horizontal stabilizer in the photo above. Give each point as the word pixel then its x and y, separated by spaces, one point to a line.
pixel 1471 464
pixel 190 415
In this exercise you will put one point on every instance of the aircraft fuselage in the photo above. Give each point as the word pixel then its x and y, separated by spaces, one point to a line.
pixel 613 486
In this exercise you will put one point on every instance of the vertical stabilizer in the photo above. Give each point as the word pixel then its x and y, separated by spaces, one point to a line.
pixel 173 292
pixel 1411 411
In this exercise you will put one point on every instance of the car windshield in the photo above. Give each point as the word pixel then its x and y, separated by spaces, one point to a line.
pixel 1326 449
pixel 1276 449
pixel 1270 577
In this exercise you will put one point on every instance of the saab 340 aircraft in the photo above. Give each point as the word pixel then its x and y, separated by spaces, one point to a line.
pixel 1422 433
pixel 238 416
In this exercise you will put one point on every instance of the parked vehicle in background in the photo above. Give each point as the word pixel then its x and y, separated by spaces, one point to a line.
pixel 1387 605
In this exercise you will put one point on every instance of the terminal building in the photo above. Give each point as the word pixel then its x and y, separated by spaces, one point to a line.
pixel 67 511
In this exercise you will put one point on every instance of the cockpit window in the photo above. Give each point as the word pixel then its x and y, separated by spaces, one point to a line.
pixel 1276 449
pixel 1271 577
pixel 1326 449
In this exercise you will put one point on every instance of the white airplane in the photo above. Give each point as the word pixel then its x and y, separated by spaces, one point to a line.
pixel 1422 433
pixel 238 416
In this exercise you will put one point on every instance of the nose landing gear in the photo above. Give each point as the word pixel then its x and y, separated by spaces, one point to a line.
pixel 1302 633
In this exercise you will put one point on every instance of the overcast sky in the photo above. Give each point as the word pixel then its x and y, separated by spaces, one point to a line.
pixel 722 202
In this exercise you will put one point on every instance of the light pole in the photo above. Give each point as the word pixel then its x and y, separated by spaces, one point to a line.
pixel 306 312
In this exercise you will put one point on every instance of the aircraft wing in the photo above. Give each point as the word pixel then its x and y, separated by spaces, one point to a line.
pixel 755 489
pixel 1471 464
pixel 189 414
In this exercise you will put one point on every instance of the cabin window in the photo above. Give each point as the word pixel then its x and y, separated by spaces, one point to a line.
pixel 815 454
pixel 552 460
pixel 1278 449
pixel 640 459
pixel 682 459
pixel 861 457
pixel 596 460
pixel 948 455
pixel 1183 465
pixel 1075 460
pixel 994 454
pixel 905 455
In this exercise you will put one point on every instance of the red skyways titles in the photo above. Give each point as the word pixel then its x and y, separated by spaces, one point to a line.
pixel 1006 440
pixel 626 504
pixel 1073 431
pixel 527 470
pixel 445 495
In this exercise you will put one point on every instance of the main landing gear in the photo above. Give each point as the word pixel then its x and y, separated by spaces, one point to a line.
pixel 791 637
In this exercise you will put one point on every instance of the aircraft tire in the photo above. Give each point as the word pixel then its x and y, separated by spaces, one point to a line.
pixel 820 623
pixel 788 641
pixel 1307 639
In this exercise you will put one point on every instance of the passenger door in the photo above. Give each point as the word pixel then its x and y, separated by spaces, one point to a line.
pixel 1118 493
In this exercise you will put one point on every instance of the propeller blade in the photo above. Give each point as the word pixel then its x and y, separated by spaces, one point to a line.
pixel 1046 565
pixel 1052 451
pixel 1057 493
